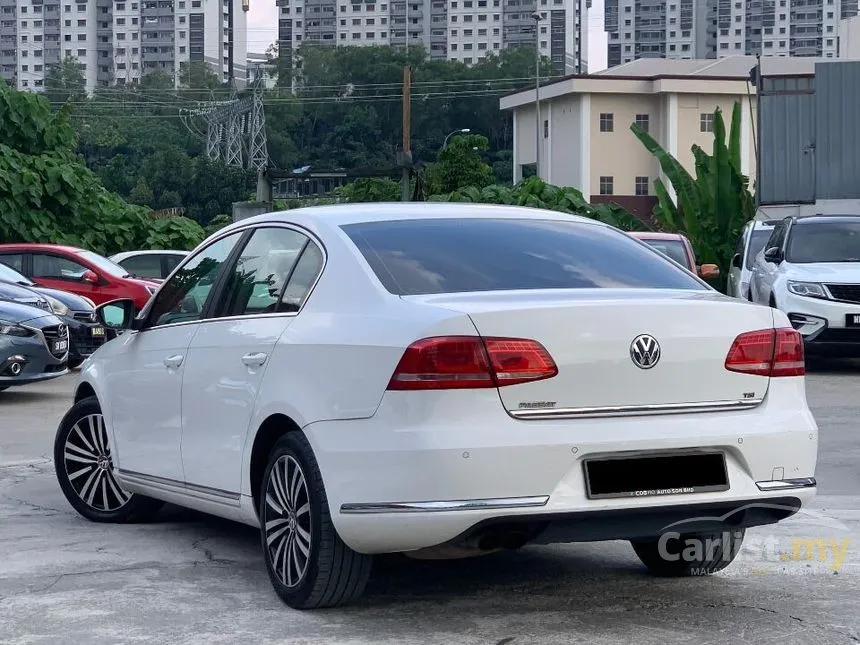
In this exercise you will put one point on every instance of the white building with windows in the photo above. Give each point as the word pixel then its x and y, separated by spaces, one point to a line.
pixel 461 30
pixel 117 42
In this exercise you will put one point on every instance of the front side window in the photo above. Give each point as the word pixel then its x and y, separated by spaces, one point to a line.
pixel 261 272
pixel 56 267
pixel 184 296
pixel 457 255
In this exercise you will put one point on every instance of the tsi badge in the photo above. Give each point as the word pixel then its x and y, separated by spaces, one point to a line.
pixel 645 351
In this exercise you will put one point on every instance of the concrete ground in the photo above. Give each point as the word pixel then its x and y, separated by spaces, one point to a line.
pixel 193 579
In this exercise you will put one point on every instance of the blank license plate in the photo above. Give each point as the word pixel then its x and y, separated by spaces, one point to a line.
pixel 61 345
pixel 852 320
pixel 656 475
pixel 98 331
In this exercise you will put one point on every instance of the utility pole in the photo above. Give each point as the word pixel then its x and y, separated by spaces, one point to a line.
pixel 406 153
pixel 537 17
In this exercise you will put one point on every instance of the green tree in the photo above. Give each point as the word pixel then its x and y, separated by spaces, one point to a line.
pixel 712 207
pixel 65 81
pixel 141 193
pixel 47 195
pixel 460 164
pixel 535 193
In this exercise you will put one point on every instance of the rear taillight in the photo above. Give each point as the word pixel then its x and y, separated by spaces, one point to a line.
pixel 768 352
pixel 458 362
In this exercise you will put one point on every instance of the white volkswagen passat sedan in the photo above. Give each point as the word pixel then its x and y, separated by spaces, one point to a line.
pixel 442 379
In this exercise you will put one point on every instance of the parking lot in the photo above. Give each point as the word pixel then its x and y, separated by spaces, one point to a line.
pixel 194 579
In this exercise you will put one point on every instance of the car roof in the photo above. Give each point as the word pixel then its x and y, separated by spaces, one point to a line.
pixel 826 218
pixel 317 218
pixel 29 246
pixel 658 235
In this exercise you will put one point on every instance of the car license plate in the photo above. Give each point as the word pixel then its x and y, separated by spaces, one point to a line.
pixel 852 320
pixel 98 331
pixel 61 345
pixel 655 475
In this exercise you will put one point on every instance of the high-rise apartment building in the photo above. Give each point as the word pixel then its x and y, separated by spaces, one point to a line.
pixel 461 30
pixel 720 28
pixel 119 41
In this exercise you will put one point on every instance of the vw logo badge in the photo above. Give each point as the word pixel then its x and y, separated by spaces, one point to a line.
pixel 645 351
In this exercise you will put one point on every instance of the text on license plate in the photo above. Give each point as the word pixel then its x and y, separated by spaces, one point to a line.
pixel 98 331
pixel 852 320
pixel 61 345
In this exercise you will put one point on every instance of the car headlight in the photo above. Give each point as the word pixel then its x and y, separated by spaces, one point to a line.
pixel 807 289
pixel 57 307
pixel 11 329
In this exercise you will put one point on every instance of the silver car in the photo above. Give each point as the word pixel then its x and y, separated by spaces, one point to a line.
pixel 34 345
pixel 753 237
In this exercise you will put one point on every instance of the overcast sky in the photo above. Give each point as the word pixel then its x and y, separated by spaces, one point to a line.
pixel 263 30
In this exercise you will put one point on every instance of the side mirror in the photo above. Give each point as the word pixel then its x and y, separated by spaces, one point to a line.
pixel 736 260
pixel 773 254
pixel 709 271
pixel 90 277
pixel 116 314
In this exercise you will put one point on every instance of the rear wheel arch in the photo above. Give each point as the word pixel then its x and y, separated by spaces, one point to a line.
pixel 273 428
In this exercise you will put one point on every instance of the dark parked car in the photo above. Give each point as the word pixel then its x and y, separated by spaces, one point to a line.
pixel 34 345
pixel 86 335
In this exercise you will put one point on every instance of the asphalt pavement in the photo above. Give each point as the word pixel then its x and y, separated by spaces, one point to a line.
pixel 189 578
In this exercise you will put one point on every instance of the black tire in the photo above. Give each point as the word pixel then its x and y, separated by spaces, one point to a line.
pixel 690 555
pixel 331 574
pixel 82 461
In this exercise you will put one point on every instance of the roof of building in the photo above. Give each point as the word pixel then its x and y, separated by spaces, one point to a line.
pixel 730 68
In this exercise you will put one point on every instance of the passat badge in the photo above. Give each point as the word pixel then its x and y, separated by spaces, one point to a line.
pixel 645 351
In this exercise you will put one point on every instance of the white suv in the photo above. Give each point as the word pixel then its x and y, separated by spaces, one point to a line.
pixel 443 380
pixel 810 269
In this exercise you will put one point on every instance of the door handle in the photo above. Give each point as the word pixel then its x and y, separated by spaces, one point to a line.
pixel 172 362
pixel 255 359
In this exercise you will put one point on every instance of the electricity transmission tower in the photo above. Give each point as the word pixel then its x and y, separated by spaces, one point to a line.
pixel 235 130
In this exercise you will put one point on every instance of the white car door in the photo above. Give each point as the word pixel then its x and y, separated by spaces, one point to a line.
pixel 145 377
pixel 766 271
pixel 229 355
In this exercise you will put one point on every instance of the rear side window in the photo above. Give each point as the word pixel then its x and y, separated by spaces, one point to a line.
pixel 426 256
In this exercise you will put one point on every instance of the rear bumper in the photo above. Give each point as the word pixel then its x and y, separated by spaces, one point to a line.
pixel 409 478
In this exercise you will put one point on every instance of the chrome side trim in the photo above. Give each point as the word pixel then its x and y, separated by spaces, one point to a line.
pixel 447 505
pixel 631 410
pixel 183 488
pixel 786 484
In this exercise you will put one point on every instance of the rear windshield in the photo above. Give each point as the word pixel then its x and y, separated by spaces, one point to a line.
pixel 674 249
pixel 426 256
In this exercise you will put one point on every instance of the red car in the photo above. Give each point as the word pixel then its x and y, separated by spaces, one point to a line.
pixel 678 248
pixel 77 271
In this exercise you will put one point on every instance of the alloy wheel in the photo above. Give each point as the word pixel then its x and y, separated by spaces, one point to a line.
pixel 89 467
pixel 287 521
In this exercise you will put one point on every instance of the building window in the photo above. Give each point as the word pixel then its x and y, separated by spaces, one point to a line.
pixel 706 122
pixel 641 186
pixel 607 122
pixel 546 129
pixel 606 185
pixel 642 121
